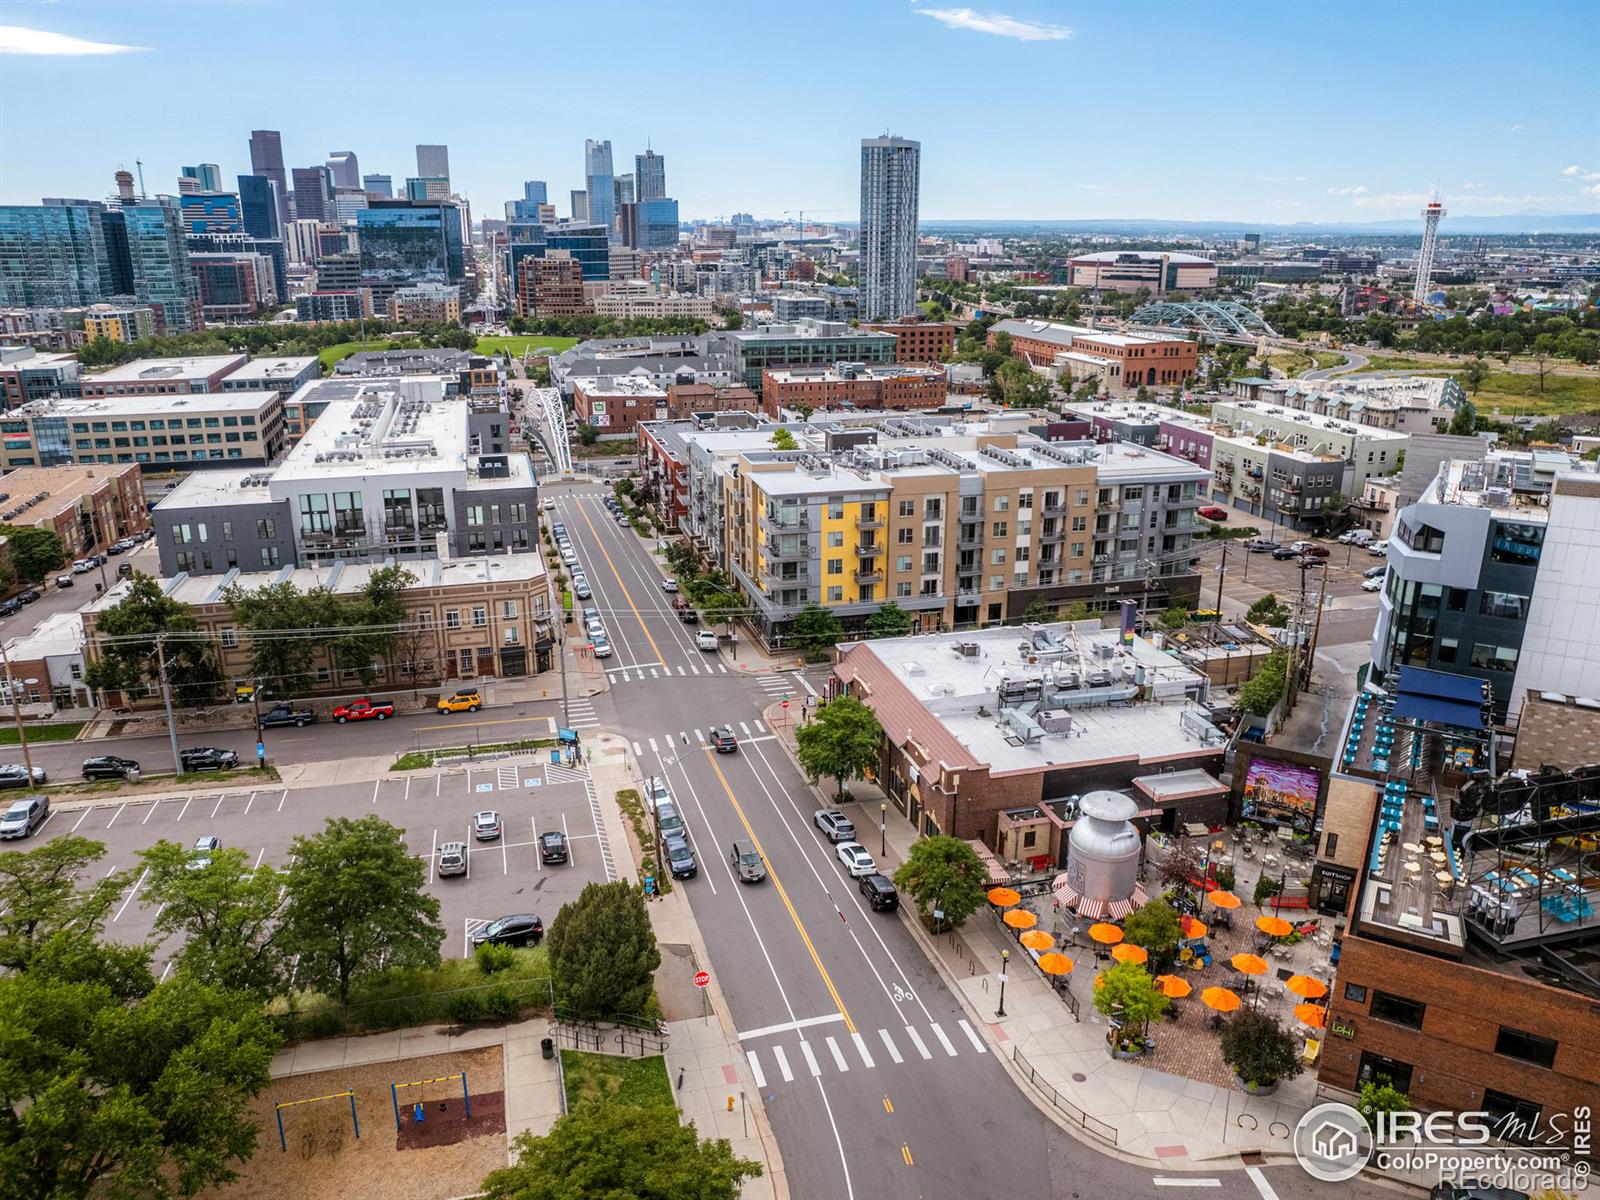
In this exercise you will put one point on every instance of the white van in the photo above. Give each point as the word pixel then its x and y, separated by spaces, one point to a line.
pixel 1356 537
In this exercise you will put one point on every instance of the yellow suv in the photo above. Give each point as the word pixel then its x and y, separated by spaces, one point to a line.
pixel 465 701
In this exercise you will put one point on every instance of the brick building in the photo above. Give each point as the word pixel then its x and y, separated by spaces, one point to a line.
pixel 1120 361
pixel 87 507
pixel 919 341
pixel 551 287
pixel 854 385
pixel 686 399
pixel 616 404
pixel 164 376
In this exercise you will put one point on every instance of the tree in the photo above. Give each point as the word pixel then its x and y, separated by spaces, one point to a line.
pixel 1546 431
pixel 1260 694
pixel 603 953
pixel 1259 1050
pixel 588 434
pixel 889 621
pixel 1474 374
pixel 782 439
pixel 733 320
pixel 1128 994
pixel 1541 366
pixel 1174 617
pixel 843 740
pixel 1002 346
pixel 1088 390
pixel 356 905
pixel 35 553
pixel 1038 613
pixel 226 916
pixel 1180 866
pixel 946 874
pixel 1020 386
pixel 623 1152
pixel 126 639
pixel 121 1091
pixel 40 896
pixel 1380 1098
pixel 815 629
pixel 282 626
pixel 1155 927
pixel 1336 514
pixel 1267 611
pixel 370 623
pixel 1465 421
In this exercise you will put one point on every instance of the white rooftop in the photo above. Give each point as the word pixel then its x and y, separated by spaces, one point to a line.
pixel 268 371
pixel 59 633
pixel 147 370
pixel 176 405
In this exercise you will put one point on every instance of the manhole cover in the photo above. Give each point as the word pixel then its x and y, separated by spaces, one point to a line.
pixel 1077 1078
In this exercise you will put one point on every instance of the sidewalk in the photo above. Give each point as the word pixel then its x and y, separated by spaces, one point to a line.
pixel 1149 1116
pixel 704 1050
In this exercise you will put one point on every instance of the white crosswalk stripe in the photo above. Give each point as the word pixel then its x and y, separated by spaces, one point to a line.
pixel 637 749
pixel 861 1049
pixel 680 671
pixel 760 727
pixel 838 1058
pixel 916 1040
pixel 888 1044
pixel 838 1054
pixel 977 1042
pixel 694 669
pixel 811 1059
pixel 722 668
pixel 783 1064
pixel 943 1040
pixel 755 1069
pixel 654 749
pixel 699 737
pixel 746 729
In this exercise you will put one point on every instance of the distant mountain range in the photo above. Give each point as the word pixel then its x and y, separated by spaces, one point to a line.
pixel 1520 223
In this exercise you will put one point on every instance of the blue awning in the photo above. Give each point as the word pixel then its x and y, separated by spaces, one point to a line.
pixel 1440 697
pixel 1441 684
pixel 1409 706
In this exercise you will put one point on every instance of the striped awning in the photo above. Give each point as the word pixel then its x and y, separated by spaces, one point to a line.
pixel 1093 907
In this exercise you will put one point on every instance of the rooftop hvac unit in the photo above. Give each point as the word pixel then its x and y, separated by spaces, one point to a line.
pixel 967 649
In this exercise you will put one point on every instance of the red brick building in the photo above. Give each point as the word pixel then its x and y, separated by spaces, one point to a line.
pixel 685 399
pixel 919 341
pixel 664 471
pixel 87 507
pixel 551 287
pixel 870 386
pixel 1124 360
pixel 616 404
pixel 164 376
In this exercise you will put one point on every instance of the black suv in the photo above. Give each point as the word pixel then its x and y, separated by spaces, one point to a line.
pixel 109 766
pixel 553 847
pixel 680 859
pixel 207 758
pixel 522 929
pixel 880 892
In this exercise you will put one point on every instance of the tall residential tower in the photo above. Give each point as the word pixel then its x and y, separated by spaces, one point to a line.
pixel 890 171
pixel 599 183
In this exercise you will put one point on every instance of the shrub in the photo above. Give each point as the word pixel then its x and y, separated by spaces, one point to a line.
pixel 492 958
pixel 1225 878
pixel 1259 1050
pixel 1265 890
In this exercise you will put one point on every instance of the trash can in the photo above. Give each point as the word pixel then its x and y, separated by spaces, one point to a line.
pixel 547 1047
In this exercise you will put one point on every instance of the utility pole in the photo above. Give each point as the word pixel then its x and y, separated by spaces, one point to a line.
pixel 166 699
pixel 16 713
pixel 1222 573
pixel 1316 630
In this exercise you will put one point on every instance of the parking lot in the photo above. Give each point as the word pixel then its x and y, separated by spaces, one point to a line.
pixel 503 875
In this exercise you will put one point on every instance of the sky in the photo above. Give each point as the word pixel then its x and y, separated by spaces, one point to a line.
pixel 1262 111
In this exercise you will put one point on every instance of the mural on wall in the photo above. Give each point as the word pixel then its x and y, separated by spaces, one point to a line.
pixel 1280 792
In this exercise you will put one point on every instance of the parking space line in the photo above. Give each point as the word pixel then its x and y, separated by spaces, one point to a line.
pixel 166 969
pixel 433 855
pixel 138 883
pixel 216 806
pixel 151 813
pixel 281 799
pixel 537 864
pixel 572 859
pixel 116 814
pixel 505 858
pixel 248 803
pixel 408 787
pixel 259 857
pixel 376 784
pixel 82 819
pixel 185 807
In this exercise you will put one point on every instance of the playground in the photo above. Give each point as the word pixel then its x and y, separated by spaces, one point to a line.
pixel 321 1154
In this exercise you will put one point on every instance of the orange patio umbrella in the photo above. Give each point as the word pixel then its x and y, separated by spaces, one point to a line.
pixel 1249 964
pixel 1223 899
pixel 1055 964
pixel 1004 897
pixel 1127 952
pixel 1304 985
pixel 1171 985
pixel 1274 926
pixel 1192 928
pixel 1219 998
pixel 1313 1015
pixel 1020 918
pixel 1106 935
pixel 1037 939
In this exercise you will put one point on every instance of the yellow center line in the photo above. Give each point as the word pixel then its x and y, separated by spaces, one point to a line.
pixel 782 893
pixel 584 513
pixel 887 1107
pixel 905 1153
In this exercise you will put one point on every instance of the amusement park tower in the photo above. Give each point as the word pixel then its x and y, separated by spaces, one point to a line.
pixel 1430 243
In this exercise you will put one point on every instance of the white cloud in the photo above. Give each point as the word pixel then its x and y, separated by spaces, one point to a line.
pixel 1359 190
pixel 998 24
pixel 1574 170
pixel 1470 185
pixel 17 39
pixel 1281 178
pixel 1517 128
pixel 1097 189
pixel 1582 174
pixel 1392 200
pixel 1592 190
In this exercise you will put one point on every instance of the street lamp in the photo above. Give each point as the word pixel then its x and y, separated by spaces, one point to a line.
pixel 1005 957
pixel 883 817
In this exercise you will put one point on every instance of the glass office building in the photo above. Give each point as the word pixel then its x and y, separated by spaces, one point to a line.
pixel 657 223
pixel 211 212
pixel 403 243
pixel 159 259
pixel 590 244
pixel 258 206
pixel 53 255
pixel 601 185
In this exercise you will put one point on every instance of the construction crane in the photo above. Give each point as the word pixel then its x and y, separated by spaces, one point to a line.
pixel 801 213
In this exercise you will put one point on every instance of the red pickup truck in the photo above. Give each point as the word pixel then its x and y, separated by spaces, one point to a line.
pixel 364 710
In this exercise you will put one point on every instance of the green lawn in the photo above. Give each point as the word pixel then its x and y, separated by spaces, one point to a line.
pixel 1399 362
pixel 637 1081
pixel 1519 395
pixel 518 345
pixel 64 732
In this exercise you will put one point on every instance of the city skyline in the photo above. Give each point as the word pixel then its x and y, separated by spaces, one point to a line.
pixel 1366 151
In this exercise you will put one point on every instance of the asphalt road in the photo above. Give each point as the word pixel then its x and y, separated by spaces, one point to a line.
pixel 82 591
pixel 876 1081
pixel 1352 362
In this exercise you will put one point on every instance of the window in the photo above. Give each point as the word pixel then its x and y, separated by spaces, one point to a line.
pixel 266 529
pixel 905 536
pixel 474 514
pixel 1398 1009
pixel 1512 1118
pixel 1000 529
pixel 1077 549
pixel 1331 845
pixel 836 566
pixel 270 556
pixel 835 594
pixel 1002 503
pixel 903 563
pixel 997 555
pixel 1529 1047
pixel 1448 648
pixel 1356 992
pixel 452 618
pixel 480 616
pixel 1504 604
pixel 1425 538
pixel 508 609
pixel 1487 657
pixel 933 508
pixel 466 662
pixel 930 564
pixel 835 512
pixel 835 539
pixel 230 638
pixel 1080 524
pixel 902 589
pixel 1519 544
pixel 908 508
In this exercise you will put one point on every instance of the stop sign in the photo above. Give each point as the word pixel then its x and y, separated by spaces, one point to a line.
pixel 702 979
pixel 786 704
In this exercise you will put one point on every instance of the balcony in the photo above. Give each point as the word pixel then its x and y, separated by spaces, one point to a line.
pixel 1292 487
pixel 775 548
pixel 1223 466
pixel 1371 505
pixel 866 521
pixel 968 537
pixel 864 577
pixel 1289 504
pixel 1053 510
pixel 868 550
pixel 800 519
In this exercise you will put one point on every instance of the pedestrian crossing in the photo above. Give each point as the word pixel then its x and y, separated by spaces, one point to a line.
pixel 745 731
pixel 555 773
pixel 841 1054
pixel 658 671
pixel 581 714
pixel 778 686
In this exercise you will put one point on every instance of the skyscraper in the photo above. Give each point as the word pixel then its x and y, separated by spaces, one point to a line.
pixel 402 243
pixel 346 172
pixel 266 158
pixel 601 188
pixel 580 205
pixel 205 177
pixel 534 191
pixel 160 262
pixel 890 171
pixel 258 206
pixel 381 186
pixel 622 190
pixel 649 176
pixel 434 162
pixel 211 212
pixel 52 254
pixel 313 194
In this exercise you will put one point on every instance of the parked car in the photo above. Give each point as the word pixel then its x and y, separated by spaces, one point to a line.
pixel 668 820
pixel 15 775
pixel 207 758
pixel 117 548
pixel 746 861
pixel 125 571
pixel 590 614
pixel 1283 552
pixel 1261 545
pixel 283 714
pixel 594 626
pixel 29 596
pixel 1379 549
pixel 64 580
pixel 680 858
pixel 453 859
pixel 1212 512
pixel 553 847
pixel 24 816
pixel 855 858
pixel 9 607
pixel 1313 550
pixel 834 824
pixel 462 700
pixel 1372 583
pixel 81 566
pixel 706 640
pixel 549 506
pixel 1376 572
pixel 486 825
pixel 880 892
pixel 364 710
pixel 669 585
pixel 580 587
pixel 109 766
pixel 685 611
pixel 204 848
pixel 522 929
pixel 602 648
pixel 624 522
pixel 722 739
pixel 1356 537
